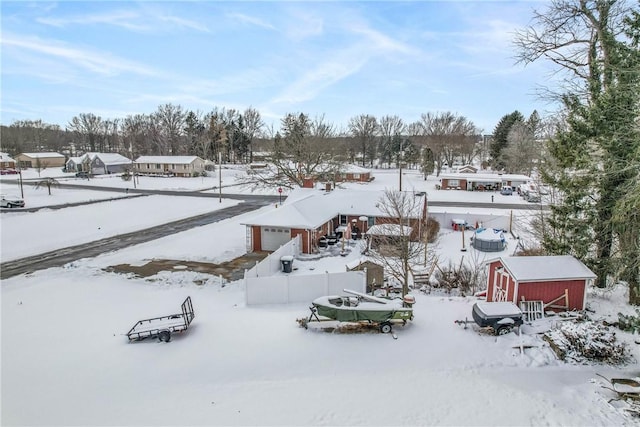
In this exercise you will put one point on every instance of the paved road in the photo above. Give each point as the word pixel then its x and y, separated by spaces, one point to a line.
pixel 60 257
pixel 63 256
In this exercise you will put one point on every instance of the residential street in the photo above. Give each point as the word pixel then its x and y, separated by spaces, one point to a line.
pixel 60 257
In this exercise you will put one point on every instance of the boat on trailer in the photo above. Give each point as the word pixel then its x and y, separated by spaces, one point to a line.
pixel 362 308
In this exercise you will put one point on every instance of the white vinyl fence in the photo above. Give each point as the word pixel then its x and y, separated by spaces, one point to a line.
pixel 294 288
pixel 271 264
pixel 487 220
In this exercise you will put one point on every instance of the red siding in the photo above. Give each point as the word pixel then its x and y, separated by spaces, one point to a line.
pixel 548 291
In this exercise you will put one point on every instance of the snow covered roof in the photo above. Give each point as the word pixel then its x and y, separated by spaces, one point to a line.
pixel 555 267
pixel 389 230
pixel 351 168
pixel 75 160
pixel 112 158
pixel 167 159
pixel 486 177
pixel 44 155
pixel 6 158
pixel 309 209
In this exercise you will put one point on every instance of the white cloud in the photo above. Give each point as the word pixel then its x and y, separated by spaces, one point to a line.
pixel 123 19
pixel 98 62
pixel 181 22
pixel 246 19
pixel 303 24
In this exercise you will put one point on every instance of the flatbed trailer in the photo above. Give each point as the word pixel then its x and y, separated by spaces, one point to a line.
pixel 162 327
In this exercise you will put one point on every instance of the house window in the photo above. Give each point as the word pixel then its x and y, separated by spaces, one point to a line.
pixel 184 167
pixel 148 166
pixel 343 220
pixel 454 183
pixel 371 221
pixel 356 176
pixel 173 166
pixel 158 166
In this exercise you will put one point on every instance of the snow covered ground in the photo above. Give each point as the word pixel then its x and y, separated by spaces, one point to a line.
pixel 66 359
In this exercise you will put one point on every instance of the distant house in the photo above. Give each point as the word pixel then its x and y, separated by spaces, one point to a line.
pixel 354 173
pixel 6 162
pixel 560 282
pixel 42 160
pixel 480 181
pixel 169 165
pixel 313 214
pixel 74 164
pixel 106 163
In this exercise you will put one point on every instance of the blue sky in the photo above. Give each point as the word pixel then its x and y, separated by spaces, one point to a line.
pixel 340 59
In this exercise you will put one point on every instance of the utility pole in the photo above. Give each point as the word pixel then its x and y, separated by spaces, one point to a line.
pixel 220 177
pixel 21 188
pixel 400 165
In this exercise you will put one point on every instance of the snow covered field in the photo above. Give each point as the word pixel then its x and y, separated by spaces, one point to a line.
pixel 66 360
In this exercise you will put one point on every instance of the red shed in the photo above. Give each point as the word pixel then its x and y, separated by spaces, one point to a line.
pixel 555 280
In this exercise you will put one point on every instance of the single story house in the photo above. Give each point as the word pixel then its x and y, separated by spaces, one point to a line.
pixel 560 282
pixel 6 162
pixel 170 165
pixel 106 163
pixel 354 173
pixel 98 163
pixel 42 160
pixel 74 164
pixel 313 214
pixel 480 181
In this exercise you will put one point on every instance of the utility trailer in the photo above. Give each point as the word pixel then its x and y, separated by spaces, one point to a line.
pixel 500 316
pixel 163 327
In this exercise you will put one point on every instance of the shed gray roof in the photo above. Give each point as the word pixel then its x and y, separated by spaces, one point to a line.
pixel 543 268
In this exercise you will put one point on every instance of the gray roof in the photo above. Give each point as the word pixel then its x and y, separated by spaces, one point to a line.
pixel 546 268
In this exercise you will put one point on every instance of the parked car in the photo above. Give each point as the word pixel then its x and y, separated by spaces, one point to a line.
pixel 8 201
pixel 532 198
pixel 8 172
pixel 83 174
pixel 506 191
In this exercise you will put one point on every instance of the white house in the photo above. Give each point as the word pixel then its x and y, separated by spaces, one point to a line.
pixel 169 165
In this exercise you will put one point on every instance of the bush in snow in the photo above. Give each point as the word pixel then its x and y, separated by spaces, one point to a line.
pixel 629 323
pixel 581 342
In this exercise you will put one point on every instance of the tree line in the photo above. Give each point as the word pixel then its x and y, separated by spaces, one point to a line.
pixel 436 140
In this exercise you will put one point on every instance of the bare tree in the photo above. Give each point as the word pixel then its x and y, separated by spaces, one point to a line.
pixel 391 129
pixel 253 125
pixel 394 248
pixel 364 128
pixel 88 128
pixel 48 183
pixel 523 150
pixel 301 150
pixel 449 137
pixel 169 122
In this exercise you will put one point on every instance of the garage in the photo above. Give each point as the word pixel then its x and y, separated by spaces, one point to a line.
pixel 272 238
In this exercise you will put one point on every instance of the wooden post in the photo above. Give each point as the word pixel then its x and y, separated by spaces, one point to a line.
pixel 510 221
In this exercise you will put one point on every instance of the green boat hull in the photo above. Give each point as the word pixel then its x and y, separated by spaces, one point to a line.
pixel 358 314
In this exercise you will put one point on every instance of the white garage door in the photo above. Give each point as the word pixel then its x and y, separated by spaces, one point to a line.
pixel 273 238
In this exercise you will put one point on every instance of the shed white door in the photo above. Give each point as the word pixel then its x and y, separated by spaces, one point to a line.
pixel 272 238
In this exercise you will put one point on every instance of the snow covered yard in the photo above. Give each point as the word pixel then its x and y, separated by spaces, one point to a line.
pixel 66 359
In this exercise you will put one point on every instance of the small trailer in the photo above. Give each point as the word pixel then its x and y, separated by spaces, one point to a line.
pixel 500 316
pixel 162 327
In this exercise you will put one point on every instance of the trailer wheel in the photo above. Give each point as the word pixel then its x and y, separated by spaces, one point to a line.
pixel 503 330
pixel 385 327
pixel 164 336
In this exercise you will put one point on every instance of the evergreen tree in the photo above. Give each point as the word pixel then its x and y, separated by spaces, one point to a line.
pixel 500 137
pixel 593 156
